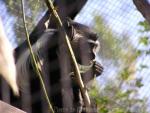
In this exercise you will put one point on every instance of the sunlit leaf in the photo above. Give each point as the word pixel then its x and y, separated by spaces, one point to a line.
pixel 145 25
pixel 125 74
pixel 144 40
pixel 103 110
pixel 118 110
pixel 138 53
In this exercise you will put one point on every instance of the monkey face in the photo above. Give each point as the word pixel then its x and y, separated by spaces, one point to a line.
pixel 84 43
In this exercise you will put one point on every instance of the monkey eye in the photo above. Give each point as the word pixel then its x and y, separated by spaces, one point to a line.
pixel 95 45
pixel 92 43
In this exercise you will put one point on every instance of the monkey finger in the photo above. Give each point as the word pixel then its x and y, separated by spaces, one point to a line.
pixel 98 66
pixel 98 69
pixel 98 72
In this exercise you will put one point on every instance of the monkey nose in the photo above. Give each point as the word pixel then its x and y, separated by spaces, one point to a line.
pixel 92 55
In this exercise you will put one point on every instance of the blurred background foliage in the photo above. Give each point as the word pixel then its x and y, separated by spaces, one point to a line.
pixel 119 95
pixel 33 10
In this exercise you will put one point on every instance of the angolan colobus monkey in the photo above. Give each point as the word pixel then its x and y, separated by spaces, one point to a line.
pixel 57 69
pixel 7 64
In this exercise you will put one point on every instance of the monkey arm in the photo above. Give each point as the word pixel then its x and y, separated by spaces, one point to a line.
pixel 96 69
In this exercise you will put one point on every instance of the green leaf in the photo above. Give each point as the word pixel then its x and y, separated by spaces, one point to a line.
pixel 119 110
pixel 103 110
pixel 139 83
pixel 125 74
pixel 145 25
pixel 138 53
pixel 144 40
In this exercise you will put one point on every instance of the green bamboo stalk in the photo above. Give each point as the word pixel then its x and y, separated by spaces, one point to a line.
pixel 84 92
pixel 34 60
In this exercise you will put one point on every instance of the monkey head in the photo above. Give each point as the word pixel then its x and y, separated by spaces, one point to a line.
pixel 84 43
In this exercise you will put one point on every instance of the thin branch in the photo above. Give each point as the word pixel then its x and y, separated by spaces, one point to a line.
pixel 77 71
pixel 34 60
pixel 144 8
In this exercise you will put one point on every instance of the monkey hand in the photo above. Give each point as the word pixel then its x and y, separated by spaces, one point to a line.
pixel 97 68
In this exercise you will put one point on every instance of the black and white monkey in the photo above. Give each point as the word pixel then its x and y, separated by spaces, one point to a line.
pixel 57 69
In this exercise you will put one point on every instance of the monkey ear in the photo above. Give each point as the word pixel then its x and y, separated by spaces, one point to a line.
pixel 71 30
